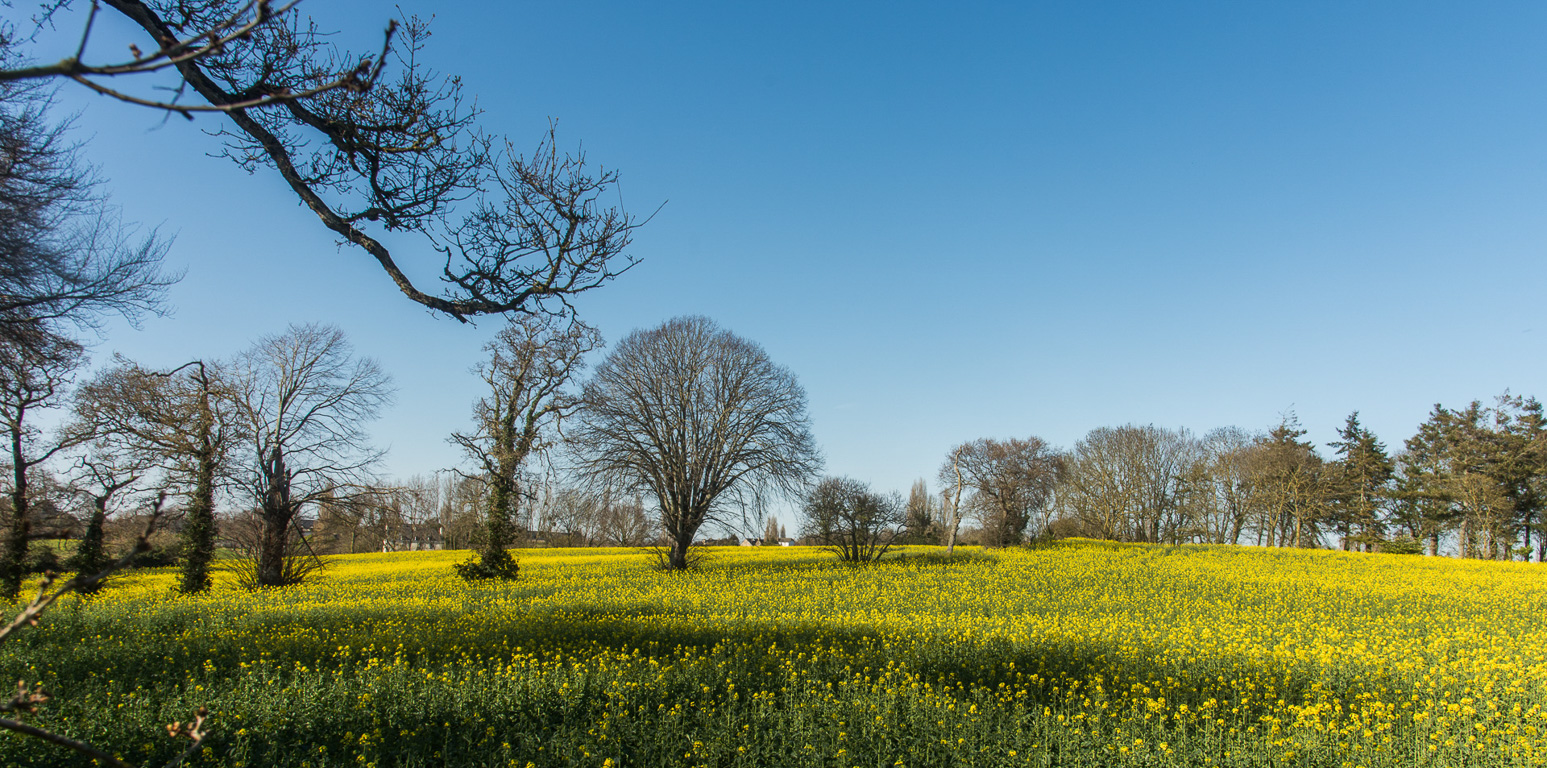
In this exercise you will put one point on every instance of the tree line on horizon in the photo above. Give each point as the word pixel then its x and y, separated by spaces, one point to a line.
pixel 1471 481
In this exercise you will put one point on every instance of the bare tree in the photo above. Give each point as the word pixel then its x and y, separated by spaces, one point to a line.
pixel 304 399
pixel 1230 458
pixel 951 498
pixel 66 259
pixel 462 503
pixel 181 421
pixel 103 472
pixel 623 522
pixel 1130 483
pixel 370 154
pixel 201 37
pixel 32 379
pixel 696 417
pixel 852 520
pixel 1010 483
pixel 531 367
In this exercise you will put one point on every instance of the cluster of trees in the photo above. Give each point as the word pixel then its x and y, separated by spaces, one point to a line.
pixel 1471 481
pixel 687 417
pixel 276 429
pixel 369 144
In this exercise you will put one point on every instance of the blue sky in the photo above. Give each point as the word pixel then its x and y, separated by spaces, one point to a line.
pixel 960 220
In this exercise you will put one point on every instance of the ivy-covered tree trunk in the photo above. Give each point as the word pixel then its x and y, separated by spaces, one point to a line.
pixel 90 554
pixel 198 539
pixel 13 552
pixel 494 558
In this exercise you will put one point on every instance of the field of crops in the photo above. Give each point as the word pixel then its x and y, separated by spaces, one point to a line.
pixel 1082 653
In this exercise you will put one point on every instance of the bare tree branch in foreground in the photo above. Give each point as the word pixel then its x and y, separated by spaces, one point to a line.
pixel 368 155
pixel 232 25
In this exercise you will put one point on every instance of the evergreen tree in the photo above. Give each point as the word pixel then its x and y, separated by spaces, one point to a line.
pixel 1475 472
pixel 1520 465
pixel 1424 507
pixel 1359 485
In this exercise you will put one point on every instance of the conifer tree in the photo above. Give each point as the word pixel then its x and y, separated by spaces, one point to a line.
pixel 1360 484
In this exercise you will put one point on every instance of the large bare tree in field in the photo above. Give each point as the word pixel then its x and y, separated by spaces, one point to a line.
pixel 370 144
pixel 532 365
pixel 701 420
pixel 303 399
pixel 1009 485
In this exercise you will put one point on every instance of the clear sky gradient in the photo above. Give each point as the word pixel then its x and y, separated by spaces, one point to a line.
pixel 960 220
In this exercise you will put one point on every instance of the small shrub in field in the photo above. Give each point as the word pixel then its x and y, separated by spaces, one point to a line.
pixel 498 565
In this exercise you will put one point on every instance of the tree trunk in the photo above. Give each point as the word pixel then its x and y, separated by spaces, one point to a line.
pixel 199 531
pixel 680 542
pixel 497 526
pixel 956 505
pixel 275 519
pixel 13 558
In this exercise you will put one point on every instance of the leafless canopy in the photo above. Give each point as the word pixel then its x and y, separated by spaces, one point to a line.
pixel 33 380
pixel 1132 483
pixel 304 399
pixel 1008 485
pixel 157 415
pixel 852 520
pixel 65 256
pixel 379 142
pixel 530 375
pixel 696 417
pixel 533 364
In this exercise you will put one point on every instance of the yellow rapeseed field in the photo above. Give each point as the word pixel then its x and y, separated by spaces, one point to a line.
pixel 1081 653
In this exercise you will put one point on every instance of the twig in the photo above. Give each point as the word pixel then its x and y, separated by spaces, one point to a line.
pixel 213 41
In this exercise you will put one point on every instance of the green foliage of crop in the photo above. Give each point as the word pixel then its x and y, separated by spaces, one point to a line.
pixel 1081 653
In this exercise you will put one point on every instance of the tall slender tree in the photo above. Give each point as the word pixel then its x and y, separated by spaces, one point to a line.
pixel 532 366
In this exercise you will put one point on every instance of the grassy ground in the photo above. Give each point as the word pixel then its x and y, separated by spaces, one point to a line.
pixel 1079 654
